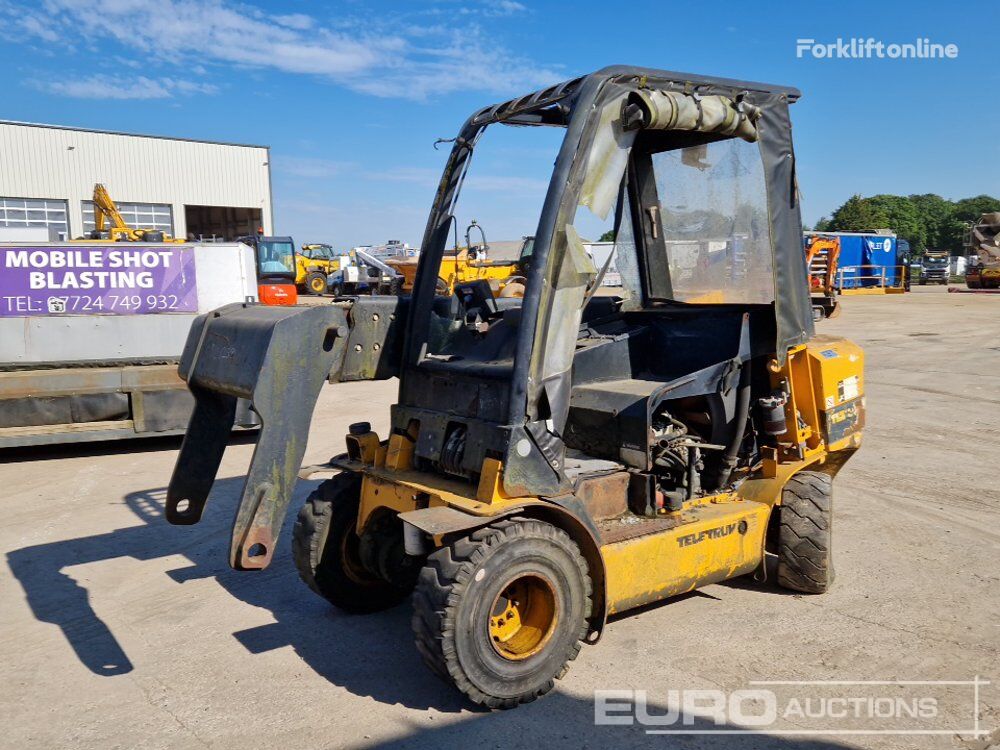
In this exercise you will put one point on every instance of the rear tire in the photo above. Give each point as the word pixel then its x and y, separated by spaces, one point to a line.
pixel 805 553
pixel 325 549
pixel 501 612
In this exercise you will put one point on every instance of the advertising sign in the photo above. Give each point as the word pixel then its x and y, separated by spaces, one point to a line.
pixel 97 280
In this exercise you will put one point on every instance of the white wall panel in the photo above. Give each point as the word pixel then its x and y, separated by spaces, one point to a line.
pixel 63 163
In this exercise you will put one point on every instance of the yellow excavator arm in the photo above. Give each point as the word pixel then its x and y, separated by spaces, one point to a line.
pixel 105 208
pixel 106 213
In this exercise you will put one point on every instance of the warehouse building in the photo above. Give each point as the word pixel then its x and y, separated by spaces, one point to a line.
pixel 201 190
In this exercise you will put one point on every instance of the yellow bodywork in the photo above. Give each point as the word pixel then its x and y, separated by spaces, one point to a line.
pixel 108 218
pixel 882 285
pixel 306 265
pixel 714 542
pixel 712 538
pixel 457 268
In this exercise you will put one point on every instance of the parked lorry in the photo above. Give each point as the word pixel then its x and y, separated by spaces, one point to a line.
pixel 90 335
pixel 934 267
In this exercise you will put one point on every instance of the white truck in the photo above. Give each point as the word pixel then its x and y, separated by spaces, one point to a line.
pixel 91 334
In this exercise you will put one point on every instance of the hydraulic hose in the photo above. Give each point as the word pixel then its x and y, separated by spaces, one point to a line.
pixel 731 455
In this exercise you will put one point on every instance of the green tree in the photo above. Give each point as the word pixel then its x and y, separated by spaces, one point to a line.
pixel 857 215
pixel 925 220
pixel 965 212
pixel 608 236
pixel 903 218
pixel 936 213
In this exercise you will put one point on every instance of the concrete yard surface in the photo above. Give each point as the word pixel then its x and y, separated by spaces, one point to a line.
pixel 118 630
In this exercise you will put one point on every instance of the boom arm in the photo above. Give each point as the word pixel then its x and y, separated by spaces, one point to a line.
pixel 105 208
pixel 277 358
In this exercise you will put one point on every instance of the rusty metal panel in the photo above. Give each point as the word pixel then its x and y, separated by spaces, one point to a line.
pixel 604 496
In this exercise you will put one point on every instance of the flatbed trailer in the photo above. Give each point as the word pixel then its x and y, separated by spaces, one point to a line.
pixel 87 353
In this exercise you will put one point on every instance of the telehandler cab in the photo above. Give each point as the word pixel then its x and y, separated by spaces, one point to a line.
pixel 560 457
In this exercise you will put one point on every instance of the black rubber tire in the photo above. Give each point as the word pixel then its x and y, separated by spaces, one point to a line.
pixel 336 290
pixel 324 547
pixel 457 588
pixel 313 282
pixel 805 534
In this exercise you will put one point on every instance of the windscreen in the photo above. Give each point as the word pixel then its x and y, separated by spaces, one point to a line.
pixel 275 256
pixel 713 214
pixel 491 241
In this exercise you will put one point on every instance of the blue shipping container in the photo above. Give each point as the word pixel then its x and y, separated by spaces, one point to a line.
pixel 863 258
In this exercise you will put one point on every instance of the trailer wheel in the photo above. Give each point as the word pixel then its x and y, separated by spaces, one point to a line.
pixel 325 549
pixel 501 612
pixel 316 282
pixel 805 555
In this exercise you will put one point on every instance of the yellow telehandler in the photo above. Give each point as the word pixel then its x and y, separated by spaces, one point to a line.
pixel 470 263
pixel 563 456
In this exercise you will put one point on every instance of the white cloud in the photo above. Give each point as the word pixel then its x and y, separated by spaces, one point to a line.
pixel 504 8
pixel 381 55
pixel 117 87
pixel 295 21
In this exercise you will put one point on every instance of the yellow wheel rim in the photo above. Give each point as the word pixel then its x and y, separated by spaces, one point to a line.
pixel 319 285
pixel 523 617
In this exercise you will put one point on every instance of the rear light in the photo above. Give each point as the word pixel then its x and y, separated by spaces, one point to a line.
pixel 277 294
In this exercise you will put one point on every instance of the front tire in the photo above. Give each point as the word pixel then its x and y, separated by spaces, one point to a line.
pixel 325 549
pixel 501 612
pixel 805 552
pixel 316 283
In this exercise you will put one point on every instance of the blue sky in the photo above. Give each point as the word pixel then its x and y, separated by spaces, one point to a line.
pixel 350 96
